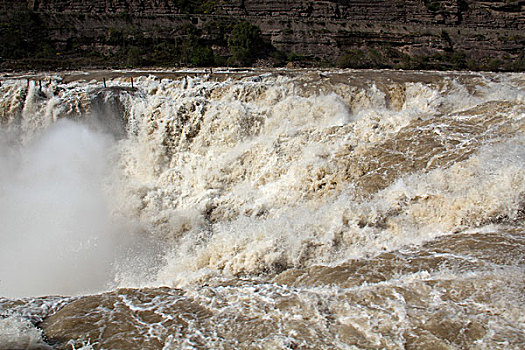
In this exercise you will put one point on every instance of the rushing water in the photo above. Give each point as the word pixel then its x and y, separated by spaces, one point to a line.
pixel 263 210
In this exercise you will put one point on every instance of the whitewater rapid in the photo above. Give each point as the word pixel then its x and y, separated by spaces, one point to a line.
pixel 263 209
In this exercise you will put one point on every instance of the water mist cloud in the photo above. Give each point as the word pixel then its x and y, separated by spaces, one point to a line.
pixel 56 233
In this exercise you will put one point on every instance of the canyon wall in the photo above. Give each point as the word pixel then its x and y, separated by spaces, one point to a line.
pixel 315 31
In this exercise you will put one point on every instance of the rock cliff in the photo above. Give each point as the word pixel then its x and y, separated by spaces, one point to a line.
pixel 447 33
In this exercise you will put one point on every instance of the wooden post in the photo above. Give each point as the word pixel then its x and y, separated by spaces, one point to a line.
pixel 132 82
pixel 104 82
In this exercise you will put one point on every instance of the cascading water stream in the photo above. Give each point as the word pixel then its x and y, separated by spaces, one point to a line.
pixel 373 209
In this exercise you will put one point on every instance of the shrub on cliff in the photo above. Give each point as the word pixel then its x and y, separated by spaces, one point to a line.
pixel 202 56
pixel 133 58
pixel 22 34
pixel 363 58
pixel 245 43
pixel 194 50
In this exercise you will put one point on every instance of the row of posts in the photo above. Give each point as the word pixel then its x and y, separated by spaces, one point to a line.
pixel 104 80
pixel 40 83
pixel 106 86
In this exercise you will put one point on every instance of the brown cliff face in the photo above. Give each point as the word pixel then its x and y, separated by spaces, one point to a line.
pixel 404 34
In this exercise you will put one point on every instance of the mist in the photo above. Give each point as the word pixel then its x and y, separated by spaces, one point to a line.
pixel 56 233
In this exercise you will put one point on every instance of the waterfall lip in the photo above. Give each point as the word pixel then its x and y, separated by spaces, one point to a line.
pixel 352 76
pixel 108 109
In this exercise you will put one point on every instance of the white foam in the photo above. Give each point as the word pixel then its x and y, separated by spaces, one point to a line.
pixel 228 175
pixel 18 333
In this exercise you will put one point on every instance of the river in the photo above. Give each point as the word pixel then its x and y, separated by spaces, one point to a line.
pixel 262 209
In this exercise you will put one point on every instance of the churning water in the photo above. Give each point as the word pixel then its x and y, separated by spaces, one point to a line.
pixel 263 210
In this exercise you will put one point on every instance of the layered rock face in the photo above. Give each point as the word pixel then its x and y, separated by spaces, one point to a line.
pixel 321 31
